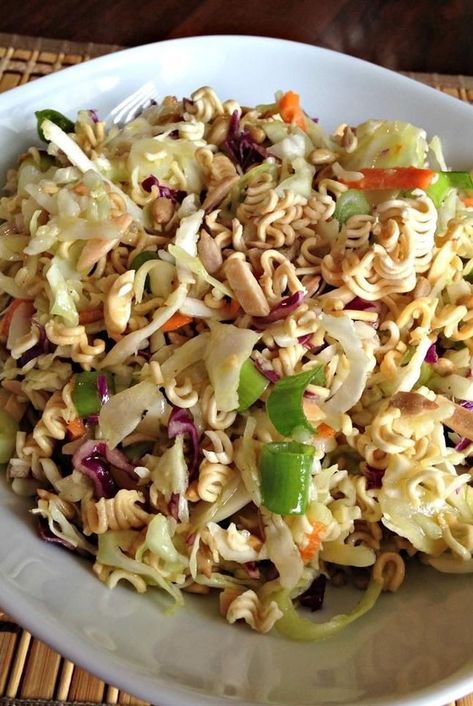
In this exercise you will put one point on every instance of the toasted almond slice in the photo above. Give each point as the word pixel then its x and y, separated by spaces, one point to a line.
pixel 209 253
pixel 412 403
pixel 246 288
pixel 218 193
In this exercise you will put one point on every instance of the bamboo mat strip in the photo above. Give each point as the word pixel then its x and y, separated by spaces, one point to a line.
pixel 31 673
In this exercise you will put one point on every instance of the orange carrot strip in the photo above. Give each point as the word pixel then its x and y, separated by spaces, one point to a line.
pixel 468 201
pixel 290 109
pixel 314 540
pixel 176 321
pixel 325 431
pixel 8 316
pixel 375 178
pixel 76 428
pixel 231 310
pixel 90 316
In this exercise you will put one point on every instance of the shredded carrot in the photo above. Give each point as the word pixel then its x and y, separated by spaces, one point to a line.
pixel 325 431
pixel 314 540
pixel 90 316
pixel 176 321
pixel 231 310
pixel 76 428
pixel 8 316
pixel 468 201
pixel 375 178
pixel 290 109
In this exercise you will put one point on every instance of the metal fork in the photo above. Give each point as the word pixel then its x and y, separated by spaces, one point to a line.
pixel 133 104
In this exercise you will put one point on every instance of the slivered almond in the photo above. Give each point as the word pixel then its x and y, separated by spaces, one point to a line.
pixel 412 403
pixel 209 252
pixel 93 250
pixel 246 288
pixel 218 193
pixel 461 421
pixel 162 210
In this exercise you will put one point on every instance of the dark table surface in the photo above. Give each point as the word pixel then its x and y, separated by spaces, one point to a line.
pixel 407 35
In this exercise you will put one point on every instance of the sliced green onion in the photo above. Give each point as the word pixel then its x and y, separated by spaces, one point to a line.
pixel 293 626
pixel 351 203
pixel 55 117
pixel 445 181
pixel 138 450
pixel 85 394
pixel 284 404
pixel 143 257
pixel 426 374
pixel 8 429
pixel 285 470
pixel 140 259
pixel 251 387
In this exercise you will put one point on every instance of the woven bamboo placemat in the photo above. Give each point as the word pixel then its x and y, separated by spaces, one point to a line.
pixel 31 673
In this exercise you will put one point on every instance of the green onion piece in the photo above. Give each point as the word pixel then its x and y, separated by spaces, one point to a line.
pixel 285 476
pixel 426 373
pixel 140 259
pixel 138 450
pixel 439 189
pixel 351 203
pixel 251 387
pixel 55 117
pixel 143 257
pixel 284 404
pixel 293 626
pixel 8 429
pixel 85 394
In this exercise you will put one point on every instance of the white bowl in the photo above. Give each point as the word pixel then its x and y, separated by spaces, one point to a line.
pixel 415 646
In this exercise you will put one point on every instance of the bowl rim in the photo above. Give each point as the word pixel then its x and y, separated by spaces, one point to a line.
pixel 20 607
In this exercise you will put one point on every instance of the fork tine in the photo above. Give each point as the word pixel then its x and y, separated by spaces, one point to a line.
pixel 138 100
pixel 132 99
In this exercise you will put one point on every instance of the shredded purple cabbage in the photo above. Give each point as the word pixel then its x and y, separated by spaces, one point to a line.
pixel 109 469
pixel 374 477
pixel 173 506
pixel 93 115
pixel 181 422
pixel 268 373
pixel 280 311
pixel 251 568
pixel 40 348
pixel 313 597
pixel 45 533
pixel 240 146
pixel 463 444
pixel 102 388
pixel 466 404
pixel 305 340
pixel 432 356
pixel 167 192
pixel 174 134
pixel 359 304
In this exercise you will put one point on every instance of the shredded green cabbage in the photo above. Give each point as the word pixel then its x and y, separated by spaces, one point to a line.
pixel 227 350
pixel 387 143
pixel 64 282
pixel 293 626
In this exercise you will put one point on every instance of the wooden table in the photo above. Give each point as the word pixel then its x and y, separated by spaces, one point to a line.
pixel 406 35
